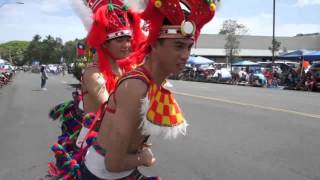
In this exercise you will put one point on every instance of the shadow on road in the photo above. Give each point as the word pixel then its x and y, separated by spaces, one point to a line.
pixel 37 90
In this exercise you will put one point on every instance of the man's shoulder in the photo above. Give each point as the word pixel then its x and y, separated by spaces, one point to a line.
pixel 133 85
pixel 132 89
pixel 137 73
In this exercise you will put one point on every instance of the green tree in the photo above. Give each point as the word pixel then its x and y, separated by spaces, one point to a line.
pixel 13 51
pixel 69 51
pixel 34 50
pixel 232 30
pixel 48 50
pixel 275 45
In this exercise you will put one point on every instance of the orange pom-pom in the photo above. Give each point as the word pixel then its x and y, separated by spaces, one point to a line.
pixel 212 7
pixel 158 3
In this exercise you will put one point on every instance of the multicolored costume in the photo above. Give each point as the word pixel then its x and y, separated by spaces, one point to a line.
pixel 161 115
pixel 94 159
pixel 160 112
pixel 105 20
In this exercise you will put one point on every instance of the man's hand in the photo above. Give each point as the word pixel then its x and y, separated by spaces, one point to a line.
pixel 147 157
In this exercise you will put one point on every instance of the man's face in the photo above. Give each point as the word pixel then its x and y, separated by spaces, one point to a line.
pixel 172 54
pixel 119 48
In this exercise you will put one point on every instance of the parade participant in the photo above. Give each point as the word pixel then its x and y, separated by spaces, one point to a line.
pixel 44 77
pixel 111 30
pixel 114 33
pixel 113 27
pixel 110 36
pixel 140 106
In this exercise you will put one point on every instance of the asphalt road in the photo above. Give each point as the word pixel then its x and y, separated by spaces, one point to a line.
pixel 235 132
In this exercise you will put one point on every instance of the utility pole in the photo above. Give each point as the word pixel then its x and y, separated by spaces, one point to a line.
pixel 273 30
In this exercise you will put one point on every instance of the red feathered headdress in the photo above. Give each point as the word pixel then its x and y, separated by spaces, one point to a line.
pixel 199 13
pixel 112 19
pixel 182 26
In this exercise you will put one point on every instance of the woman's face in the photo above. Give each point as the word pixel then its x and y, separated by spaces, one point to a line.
pixel 119 48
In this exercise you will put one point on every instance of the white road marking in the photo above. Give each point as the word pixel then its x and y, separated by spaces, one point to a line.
pixel 317 116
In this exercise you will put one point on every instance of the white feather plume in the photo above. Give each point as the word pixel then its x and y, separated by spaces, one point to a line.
pixel 83 11
pixel 218 4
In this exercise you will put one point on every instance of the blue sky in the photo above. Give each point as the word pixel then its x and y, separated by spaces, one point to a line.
pixel 56 17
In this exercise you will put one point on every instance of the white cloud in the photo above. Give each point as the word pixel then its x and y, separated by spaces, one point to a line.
pixel 22 22
pixel 54 6
pixel 48 7
pixel 262 25
pixel 293 29
pixel 302 3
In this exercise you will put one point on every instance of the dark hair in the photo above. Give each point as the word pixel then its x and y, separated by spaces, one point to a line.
pixel 41 68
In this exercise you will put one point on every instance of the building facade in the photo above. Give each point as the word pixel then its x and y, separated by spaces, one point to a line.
pixel 254 48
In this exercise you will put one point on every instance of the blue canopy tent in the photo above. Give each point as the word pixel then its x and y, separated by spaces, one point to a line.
pixel 199 60
pixel 301 55
pixel 312 56
pixel 296 55
pixel 248 65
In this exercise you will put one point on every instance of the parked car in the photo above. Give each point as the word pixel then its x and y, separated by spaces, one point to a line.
pixel 35 68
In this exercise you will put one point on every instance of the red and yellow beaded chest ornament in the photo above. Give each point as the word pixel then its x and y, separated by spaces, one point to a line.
pixel 161 113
